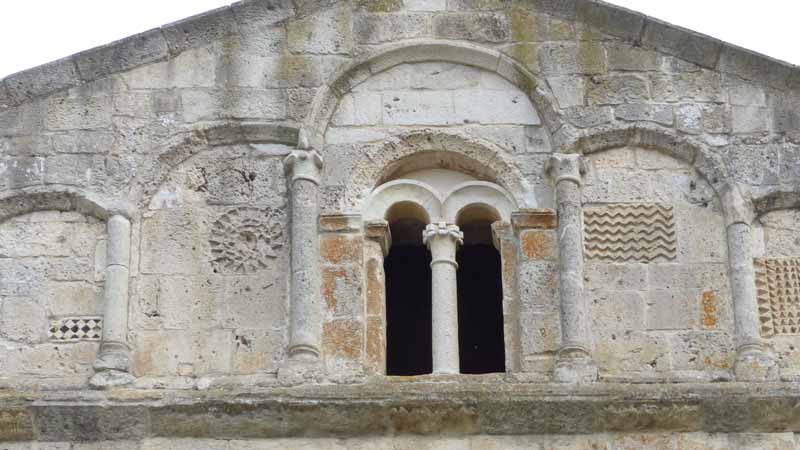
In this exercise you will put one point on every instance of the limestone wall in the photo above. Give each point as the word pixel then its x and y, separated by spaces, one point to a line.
pixel 684 441
pixel 654 175
pixel 52 286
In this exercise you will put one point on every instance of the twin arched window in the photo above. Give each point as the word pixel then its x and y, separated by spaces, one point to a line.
pixel 444 310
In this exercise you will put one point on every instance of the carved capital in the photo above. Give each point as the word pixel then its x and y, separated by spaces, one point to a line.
pixel 304 165
pixel 500 230
pixel 378 231
pixel 566 167
pixel 442 229
pixel 738 205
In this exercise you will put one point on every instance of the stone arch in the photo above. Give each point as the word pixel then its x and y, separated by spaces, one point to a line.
pixel 394 192
pixel 776 201
pixel 415 51
pixel 209 137
pixel 59 198
pixel 708 164
pixel 481 193
pixel 434 149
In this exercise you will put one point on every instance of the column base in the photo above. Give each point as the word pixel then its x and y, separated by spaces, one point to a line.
pixel 108 379
pixel 755 363
pixel 111 366
pixel 301 371
pixel 574 365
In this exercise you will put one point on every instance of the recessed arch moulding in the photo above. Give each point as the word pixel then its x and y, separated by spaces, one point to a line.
pixel 66 253
pixel 449 105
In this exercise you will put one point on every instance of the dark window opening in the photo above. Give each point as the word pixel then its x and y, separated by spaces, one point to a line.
pixel 409 341
pixel 480 300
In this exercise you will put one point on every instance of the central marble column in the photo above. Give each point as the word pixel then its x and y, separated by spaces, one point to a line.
pixel 443 239
pixel 305 324
pixel 573 361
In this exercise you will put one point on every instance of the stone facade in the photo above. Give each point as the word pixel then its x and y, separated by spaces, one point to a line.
pixel 194 223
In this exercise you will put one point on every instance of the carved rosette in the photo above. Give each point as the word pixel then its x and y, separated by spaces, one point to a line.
pixel 244 240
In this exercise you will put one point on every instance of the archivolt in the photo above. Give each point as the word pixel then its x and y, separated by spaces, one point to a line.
pixel 709 165
pixel 207 138
pixel 776 201
pixel 414 51
pixel 59 198
pixel 434 149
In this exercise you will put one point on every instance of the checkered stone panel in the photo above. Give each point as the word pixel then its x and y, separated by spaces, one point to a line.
pixel 75 329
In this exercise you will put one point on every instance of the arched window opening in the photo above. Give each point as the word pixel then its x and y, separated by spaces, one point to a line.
pixel 408 293
pixel 480 294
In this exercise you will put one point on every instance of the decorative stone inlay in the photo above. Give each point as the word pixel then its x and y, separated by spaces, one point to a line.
pixel 75 329
pixel 245 239
pixel 778 294
pixel 641 232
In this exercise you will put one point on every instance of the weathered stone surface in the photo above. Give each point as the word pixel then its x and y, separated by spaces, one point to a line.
pixel 144 48
pixel 483 27
pixel 692 47
pixel 235 287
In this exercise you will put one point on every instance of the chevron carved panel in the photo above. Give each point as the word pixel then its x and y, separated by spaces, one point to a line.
pixel 642 232
pixel 778 293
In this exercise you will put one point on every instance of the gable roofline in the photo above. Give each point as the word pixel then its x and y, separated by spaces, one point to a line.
pixel 162 43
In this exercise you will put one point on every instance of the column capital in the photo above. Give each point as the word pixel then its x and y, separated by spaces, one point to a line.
pixel 566 167
pixel 304 165
pixel 378 231
pixel 442 229
pixel 737 204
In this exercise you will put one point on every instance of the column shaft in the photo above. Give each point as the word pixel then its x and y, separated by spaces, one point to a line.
pixel 305 327
pixel 742 278
pixel 573 360
pixel 112 363
pixel 570 283
pixel 443 239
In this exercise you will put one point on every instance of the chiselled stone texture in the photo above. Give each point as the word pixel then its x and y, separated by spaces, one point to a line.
pixel 183 131
pixel 778 291
pixel 75 329
pixel 243 239
pixel 641 232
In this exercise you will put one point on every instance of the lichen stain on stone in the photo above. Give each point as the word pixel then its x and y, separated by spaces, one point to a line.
pixel 381 5
pixel 719 364
pixel 338 249
pixel 525 54
pixel 375 287
pixel 330 278
pixel 343 338
pixel 434 420
pixel 709 304
pixel 537 245
pixel 523 25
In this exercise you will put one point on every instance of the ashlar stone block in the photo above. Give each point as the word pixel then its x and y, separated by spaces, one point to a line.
pixel 184 353
pixel 675 309
pixel 325 32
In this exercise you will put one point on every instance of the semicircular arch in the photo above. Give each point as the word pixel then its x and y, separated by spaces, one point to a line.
pixel 478 193
pixel 209 137
pixel 400 191
pixel 59 198
pixel 424 149
pixel 415 51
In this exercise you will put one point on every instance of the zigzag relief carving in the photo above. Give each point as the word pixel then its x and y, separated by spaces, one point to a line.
pixel 642 232
pixel 778 294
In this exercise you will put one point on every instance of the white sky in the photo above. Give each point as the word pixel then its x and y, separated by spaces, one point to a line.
pixel 34 32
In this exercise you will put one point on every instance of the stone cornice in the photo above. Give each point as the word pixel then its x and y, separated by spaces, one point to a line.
pixel 169 40
pixel 387 408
